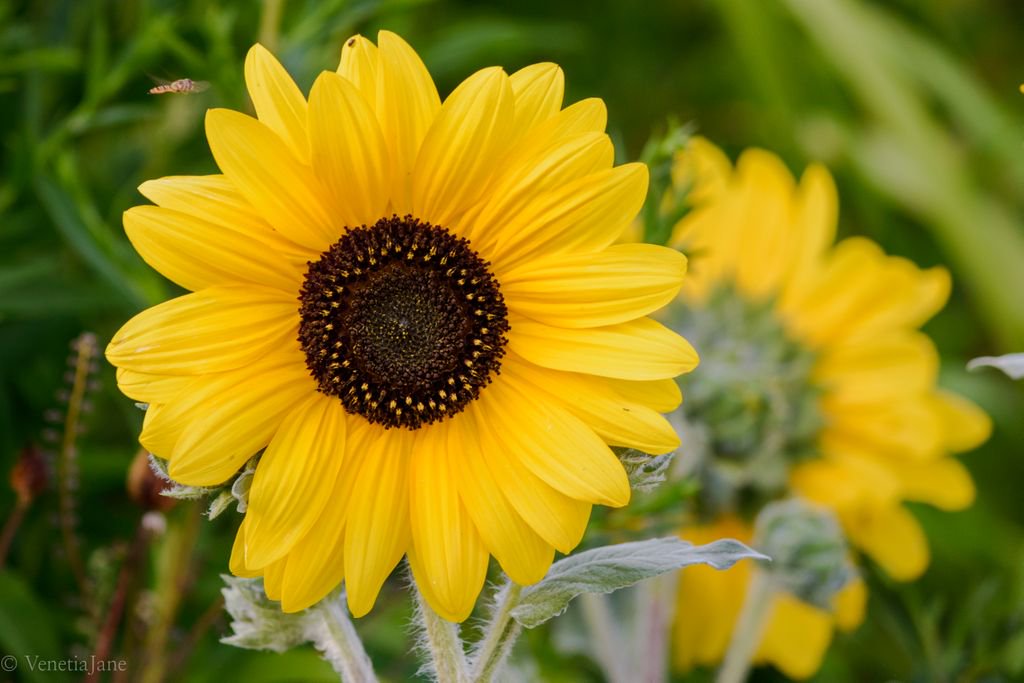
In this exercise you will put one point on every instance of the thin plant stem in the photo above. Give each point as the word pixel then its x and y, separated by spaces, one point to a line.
pixel 607 648
pixel 85 351
pixel 655 600
pixel 342 646
pixel 500 635
pixel 173 575
pixel 749 626
pixel 11 527
pixel 442 643
pixel 125 580
pixel 270 23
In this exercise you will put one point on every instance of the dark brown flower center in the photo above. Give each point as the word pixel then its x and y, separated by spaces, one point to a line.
pixel 403 322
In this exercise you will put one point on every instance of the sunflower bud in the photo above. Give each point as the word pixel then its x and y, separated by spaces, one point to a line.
pixel 145 487
pixel 808 550
pixel 30 475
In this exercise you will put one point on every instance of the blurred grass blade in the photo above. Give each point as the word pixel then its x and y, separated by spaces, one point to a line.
pixel 65 218
pixel 915 162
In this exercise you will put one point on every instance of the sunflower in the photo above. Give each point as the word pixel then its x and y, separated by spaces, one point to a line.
pixel 815 382
pixel 417 311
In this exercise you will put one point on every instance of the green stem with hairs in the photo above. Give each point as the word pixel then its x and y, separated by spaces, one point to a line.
pixel 342 646
pixel 746 635
pixel 442 642
pixel 607 646
pixel 500 635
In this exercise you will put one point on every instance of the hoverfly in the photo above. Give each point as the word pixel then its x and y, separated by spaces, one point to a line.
pixel 182 85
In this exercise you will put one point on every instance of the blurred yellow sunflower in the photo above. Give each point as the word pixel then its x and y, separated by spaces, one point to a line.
pixel 815 381
pixel 417 309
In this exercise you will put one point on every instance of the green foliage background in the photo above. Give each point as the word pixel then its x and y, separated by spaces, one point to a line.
pixel 913 104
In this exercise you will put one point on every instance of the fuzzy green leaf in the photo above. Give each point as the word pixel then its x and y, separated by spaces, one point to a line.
pixel 609 568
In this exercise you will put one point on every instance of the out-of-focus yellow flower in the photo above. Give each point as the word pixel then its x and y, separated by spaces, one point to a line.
pixel 416 308
pixel 869 428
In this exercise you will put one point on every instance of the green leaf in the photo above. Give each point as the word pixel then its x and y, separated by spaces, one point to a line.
pixel 65 217
pixel 646 472
pixel 220 504
pixel 25 627
pixel 609 568
pixel 256 622
pixel 259 624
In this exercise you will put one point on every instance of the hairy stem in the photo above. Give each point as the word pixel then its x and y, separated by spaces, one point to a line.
pixel 442 642
pixel 339 642
pixel 655 605
pixel 173 574
pixel 500 635
pixel 749 626
pixel 607 647
pixel 126 579
pixel 85 352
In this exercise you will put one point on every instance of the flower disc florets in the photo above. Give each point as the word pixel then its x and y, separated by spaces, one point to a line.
pixel 403 322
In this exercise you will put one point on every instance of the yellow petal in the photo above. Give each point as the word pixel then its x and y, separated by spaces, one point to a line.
pixel 619 284
pixel 407 103
pixel 557 518
pixel 845 480
pixel 295 478
pixel 159 435
pixel 350 156
pixel 216 329
pixel 796 637
pixel 661 395
pixel 316 564
pixel 964 425
pixel 147 388
pixel 229 417
pixel 815 215
pixel 944 483
pixel 278 101
pixel 196 253
pixel 210 197
pixel 708 601
pixel 703 169
pixel 766 240
pixel 914 296
pixel 637 350
pixel 237 562
pixel 586 116
pixel 587 214
pixel 850 604
pixel 457 158
pixel 315 568
pixel 285 192
pixel 893 539
pixel 522 554
pixel 449 558
pixel 710 231
pixel 902 428
pixel 538 91
pixel 359 66
pixel 555 445
pixel 617 421
pixel 861 292
pixel 273 577
pixel 377 532
pixel 545 161
pixel 894 365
